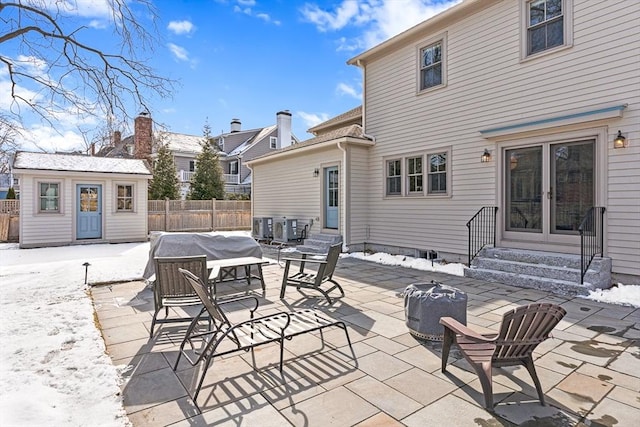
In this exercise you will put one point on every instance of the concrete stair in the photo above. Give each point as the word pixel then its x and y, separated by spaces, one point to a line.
pixel 319 243
pixel 549 271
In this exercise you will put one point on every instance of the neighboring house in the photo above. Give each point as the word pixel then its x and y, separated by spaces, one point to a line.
pixel 73 199
pixel 319 181
pixel 515 104
pixel 235 148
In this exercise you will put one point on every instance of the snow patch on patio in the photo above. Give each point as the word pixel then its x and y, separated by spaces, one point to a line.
pixel 455 269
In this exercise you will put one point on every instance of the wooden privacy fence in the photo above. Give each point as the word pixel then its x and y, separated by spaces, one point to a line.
pixel 199 215
pixel 9 220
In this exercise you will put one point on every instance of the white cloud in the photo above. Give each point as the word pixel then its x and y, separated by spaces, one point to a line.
pixel 178 52
pixel 181 27
pixel 312 119
pixel 244 6
pixel 380 19
pixel 325 21
pixel 345 89
pixel 42 137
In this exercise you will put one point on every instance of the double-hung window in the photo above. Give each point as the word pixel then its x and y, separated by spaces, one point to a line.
pixel 547 25
pixel 394 177
pixel 414 175
pixel 49 195
pixel 424 174
pixel 273 142
pixel 431 66
pixel 437 174
pixel 124 198
pixel 233 167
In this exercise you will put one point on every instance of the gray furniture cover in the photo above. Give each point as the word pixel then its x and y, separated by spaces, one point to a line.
pixel 214 245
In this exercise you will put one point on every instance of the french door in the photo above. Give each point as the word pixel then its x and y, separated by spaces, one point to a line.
pixel 548 190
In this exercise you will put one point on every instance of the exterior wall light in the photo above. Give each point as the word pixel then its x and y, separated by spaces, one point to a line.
pixel 316 172
pixel 486 156
pixel 620 141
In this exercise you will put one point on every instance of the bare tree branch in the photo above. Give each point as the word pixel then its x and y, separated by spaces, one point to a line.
pixel 52 70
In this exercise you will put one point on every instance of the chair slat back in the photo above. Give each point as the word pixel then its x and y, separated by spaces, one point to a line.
pixel 170 282
pixel 525 327
pixel 332 260
pixel 200 289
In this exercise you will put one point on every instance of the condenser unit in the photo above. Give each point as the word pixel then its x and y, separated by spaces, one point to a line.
pixel 285 229
pixel 262 227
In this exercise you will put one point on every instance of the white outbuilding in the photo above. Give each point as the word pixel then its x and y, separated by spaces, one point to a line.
pixel 73 199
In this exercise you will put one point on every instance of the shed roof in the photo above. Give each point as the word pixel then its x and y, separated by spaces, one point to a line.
pixel 355 114
pixel 79 163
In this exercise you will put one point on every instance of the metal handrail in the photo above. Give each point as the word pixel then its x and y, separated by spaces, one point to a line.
pixel 482 230
pixel 591 238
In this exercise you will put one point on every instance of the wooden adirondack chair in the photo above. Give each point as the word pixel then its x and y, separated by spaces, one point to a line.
pixel 522 329
pixel 313 279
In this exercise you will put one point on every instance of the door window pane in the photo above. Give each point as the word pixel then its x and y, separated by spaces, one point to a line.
pixel 524 189
pixel 572 191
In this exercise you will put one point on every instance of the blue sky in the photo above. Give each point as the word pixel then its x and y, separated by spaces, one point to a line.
pixel 249 59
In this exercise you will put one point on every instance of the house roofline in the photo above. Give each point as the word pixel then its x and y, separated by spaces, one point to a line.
pixel 303 149
pixel 431 25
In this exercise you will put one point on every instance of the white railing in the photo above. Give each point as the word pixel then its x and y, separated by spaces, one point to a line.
pixel 185 176
pixel 232 178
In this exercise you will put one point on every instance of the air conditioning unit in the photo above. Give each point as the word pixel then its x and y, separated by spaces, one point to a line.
pixel 285 229
pixel 262 227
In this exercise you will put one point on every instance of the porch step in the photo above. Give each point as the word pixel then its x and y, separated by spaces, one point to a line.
pixel 550 271
pixel 319 243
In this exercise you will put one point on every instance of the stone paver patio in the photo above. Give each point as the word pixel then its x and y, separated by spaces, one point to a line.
pixel 589 370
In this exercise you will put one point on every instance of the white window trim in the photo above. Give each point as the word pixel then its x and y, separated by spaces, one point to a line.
pixel 273 142
pixel 385 162
pixel 404 177
pixel 567 11
pixel 60 210
pixel 133 198
pixel 425 43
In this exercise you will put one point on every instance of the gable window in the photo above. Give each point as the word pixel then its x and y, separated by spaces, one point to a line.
pixel 49 194
pixel 437 174
pixel 273 142
pixel 124 198
pixel 221 143
pixel 431 66
pixel 394 177
pixel 414 175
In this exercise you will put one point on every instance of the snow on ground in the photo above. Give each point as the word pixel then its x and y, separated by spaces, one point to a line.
pixel 53 369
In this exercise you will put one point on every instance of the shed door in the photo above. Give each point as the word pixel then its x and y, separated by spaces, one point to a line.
pixel 89 211
pixel 331 196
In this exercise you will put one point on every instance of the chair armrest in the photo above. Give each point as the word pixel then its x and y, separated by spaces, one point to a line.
pixel 460 329
pixel 239 299
pixel 311 261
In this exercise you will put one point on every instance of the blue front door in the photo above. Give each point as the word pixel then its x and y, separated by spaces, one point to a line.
pixel 89 211
pixel 331 197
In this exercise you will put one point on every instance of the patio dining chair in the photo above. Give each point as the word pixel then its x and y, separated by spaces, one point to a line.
pixel 221 337
pixel 170 289
pixel 522 329
pixel 310 279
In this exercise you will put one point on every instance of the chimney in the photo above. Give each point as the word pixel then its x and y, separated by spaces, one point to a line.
pixel 117 138
pixel 142 136
pixel 283 123
pixel 235 125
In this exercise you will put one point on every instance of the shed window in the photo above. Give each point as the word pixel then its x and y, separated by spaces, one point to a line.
pixel 125 198
pixel 49 197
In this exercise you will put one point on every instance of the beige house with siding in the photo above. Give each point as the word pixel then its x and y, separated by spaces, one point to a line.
pixel 510 104
pixel 73 199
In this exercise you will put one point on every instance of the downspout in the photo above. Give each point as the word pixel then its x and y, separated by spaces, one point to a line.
pixel 253 177
pixel 345 196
